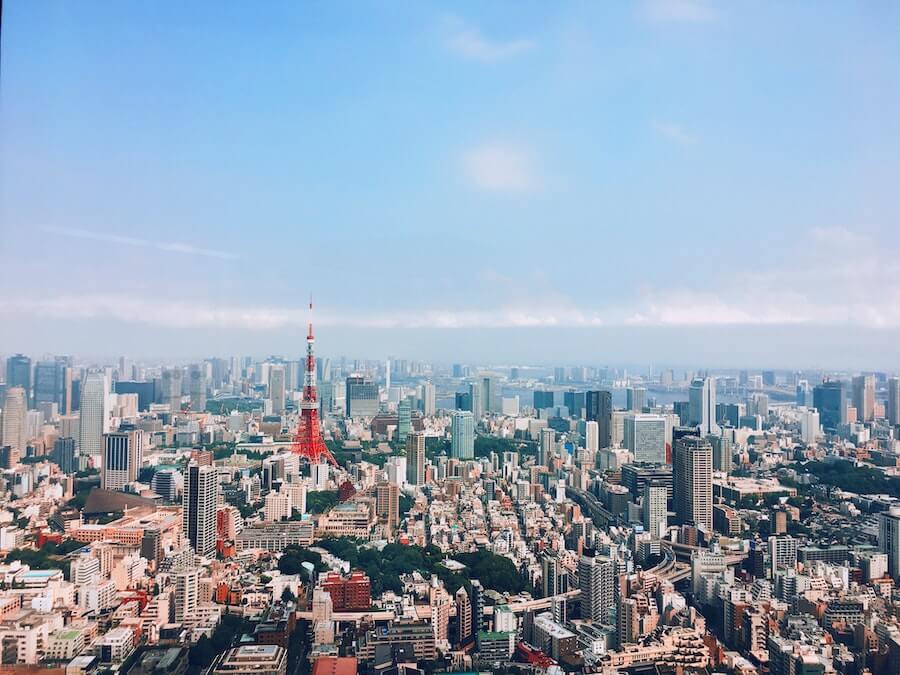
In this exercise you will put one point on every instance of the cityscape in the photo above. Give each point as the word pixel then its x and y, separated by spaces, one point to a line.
pixel 420 338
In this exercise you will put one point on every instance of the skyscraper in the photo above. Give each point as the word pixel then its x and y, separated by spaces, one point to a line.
pixel 476 396
pixel 893 401
pixel 693 482
pixel 547 447
pixel 889 539
pixel 655 508
pixel 198 389
pixel 15 409
pixel 187 594
pixel 18 373
pixel 428 399
pixel 121 459
pixel 93 417
pixel 592 436
pixel 596 585
pixel 645 437
pixel 277 388
pixel 722 453
pixel 598 406
pixel 361 396
pixel 462 435
pixel 703 406
pixel 404 418
pixel 864 397
pixel 171 388
pixel 830 399
pixel 635 399
pixel 415 458
pixel 387 504
pixel 554 578
pixel 50 383
pixel 64 454
pixel 199 507
pixel 543 399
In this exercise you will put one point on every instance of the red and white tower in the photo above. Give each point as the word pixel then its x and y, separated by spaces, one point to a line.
pixel 308 440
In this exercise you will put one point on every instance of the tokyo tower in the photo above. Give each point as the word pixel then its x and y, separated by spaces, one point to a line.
pixel 308 440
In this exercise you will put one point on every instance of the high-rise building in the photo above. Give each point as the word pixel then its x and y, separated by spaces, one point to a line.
pixel 476 397
pixel 18 374
pixel 64 454
pixel 428 399
pixel 574 401
pixel 404 418
pixel 463 616
pixel 197 389
pixel 655 508
pixel 387 504
pixel 93 417
pixel 122 459
pixel 645 437
pixel 864 397
pixel 415 458
pixel 199 507
pixel 702 403
pixel 892 411
pixel 50 383
pixel 15 410
pixel 598 407
pixel 171 388
pixel 782 553
pixel 596 583
pixel 547 447
pixel 554 577
pixel 592 436
pixel 722 453
pixel 462 435
pixel 543 399
pixel 830 399
pixel 889 539
pixel 187 594
pixel 361 397
pixel 693 482
pixel 635 399
pixel 277 388
pixel 146 392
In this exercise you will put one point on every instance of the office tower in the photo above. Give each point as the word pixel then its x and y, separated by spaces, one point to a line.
pixel 598 407
pixel 490 394
pixel 596 585
pixel 768 378
pixel 804 394
pixel 462 435
pixel 18 374
pixel 476 592
pixel 197 389
pixel 277 388
pixel 463 616
pixel 635 477
pixel 93 417
pixel 50 383
pixel 151 545
pixel 635 399
pixel 462 401
pixel 758 404
pixel 721 453
pixel 476 397
pixel 64 454
pixel 645 437
pixel 199 507
pixel 703 406
pixel 830 399
pixel 554 577
pixel 692 478
pixel 543 399
pixel 592 436
pixel 121 459
pixel 864 397
pixel 146 392
pixel 547 447
pixel 171 388
pixel 187 594
pixel 889 539
pixel 404 418
pixel 782 553
pixel 167 483
pixel 415 458
pixel 574 401
pixel 810 426
pixel 655 508
pixel 387 504
pixel 892 411
pixel 15 409
pixel 429 399
pixel 361 397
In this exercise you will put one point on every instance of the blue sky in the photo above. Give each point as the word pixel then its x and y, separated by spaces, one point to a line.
pixel 670 180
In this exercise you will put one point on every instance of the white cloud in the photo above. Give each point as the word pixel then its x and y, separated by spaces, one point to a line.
pixel 172 247
pixel 468 42
pixel 674 133
pixel 689 11
pixel 500 167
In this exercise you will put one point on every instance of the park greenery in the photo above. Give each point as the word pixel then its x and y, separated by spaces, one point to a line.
pixel 320 501
pixel 859 479
pixel 50 556
pixel 384 567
